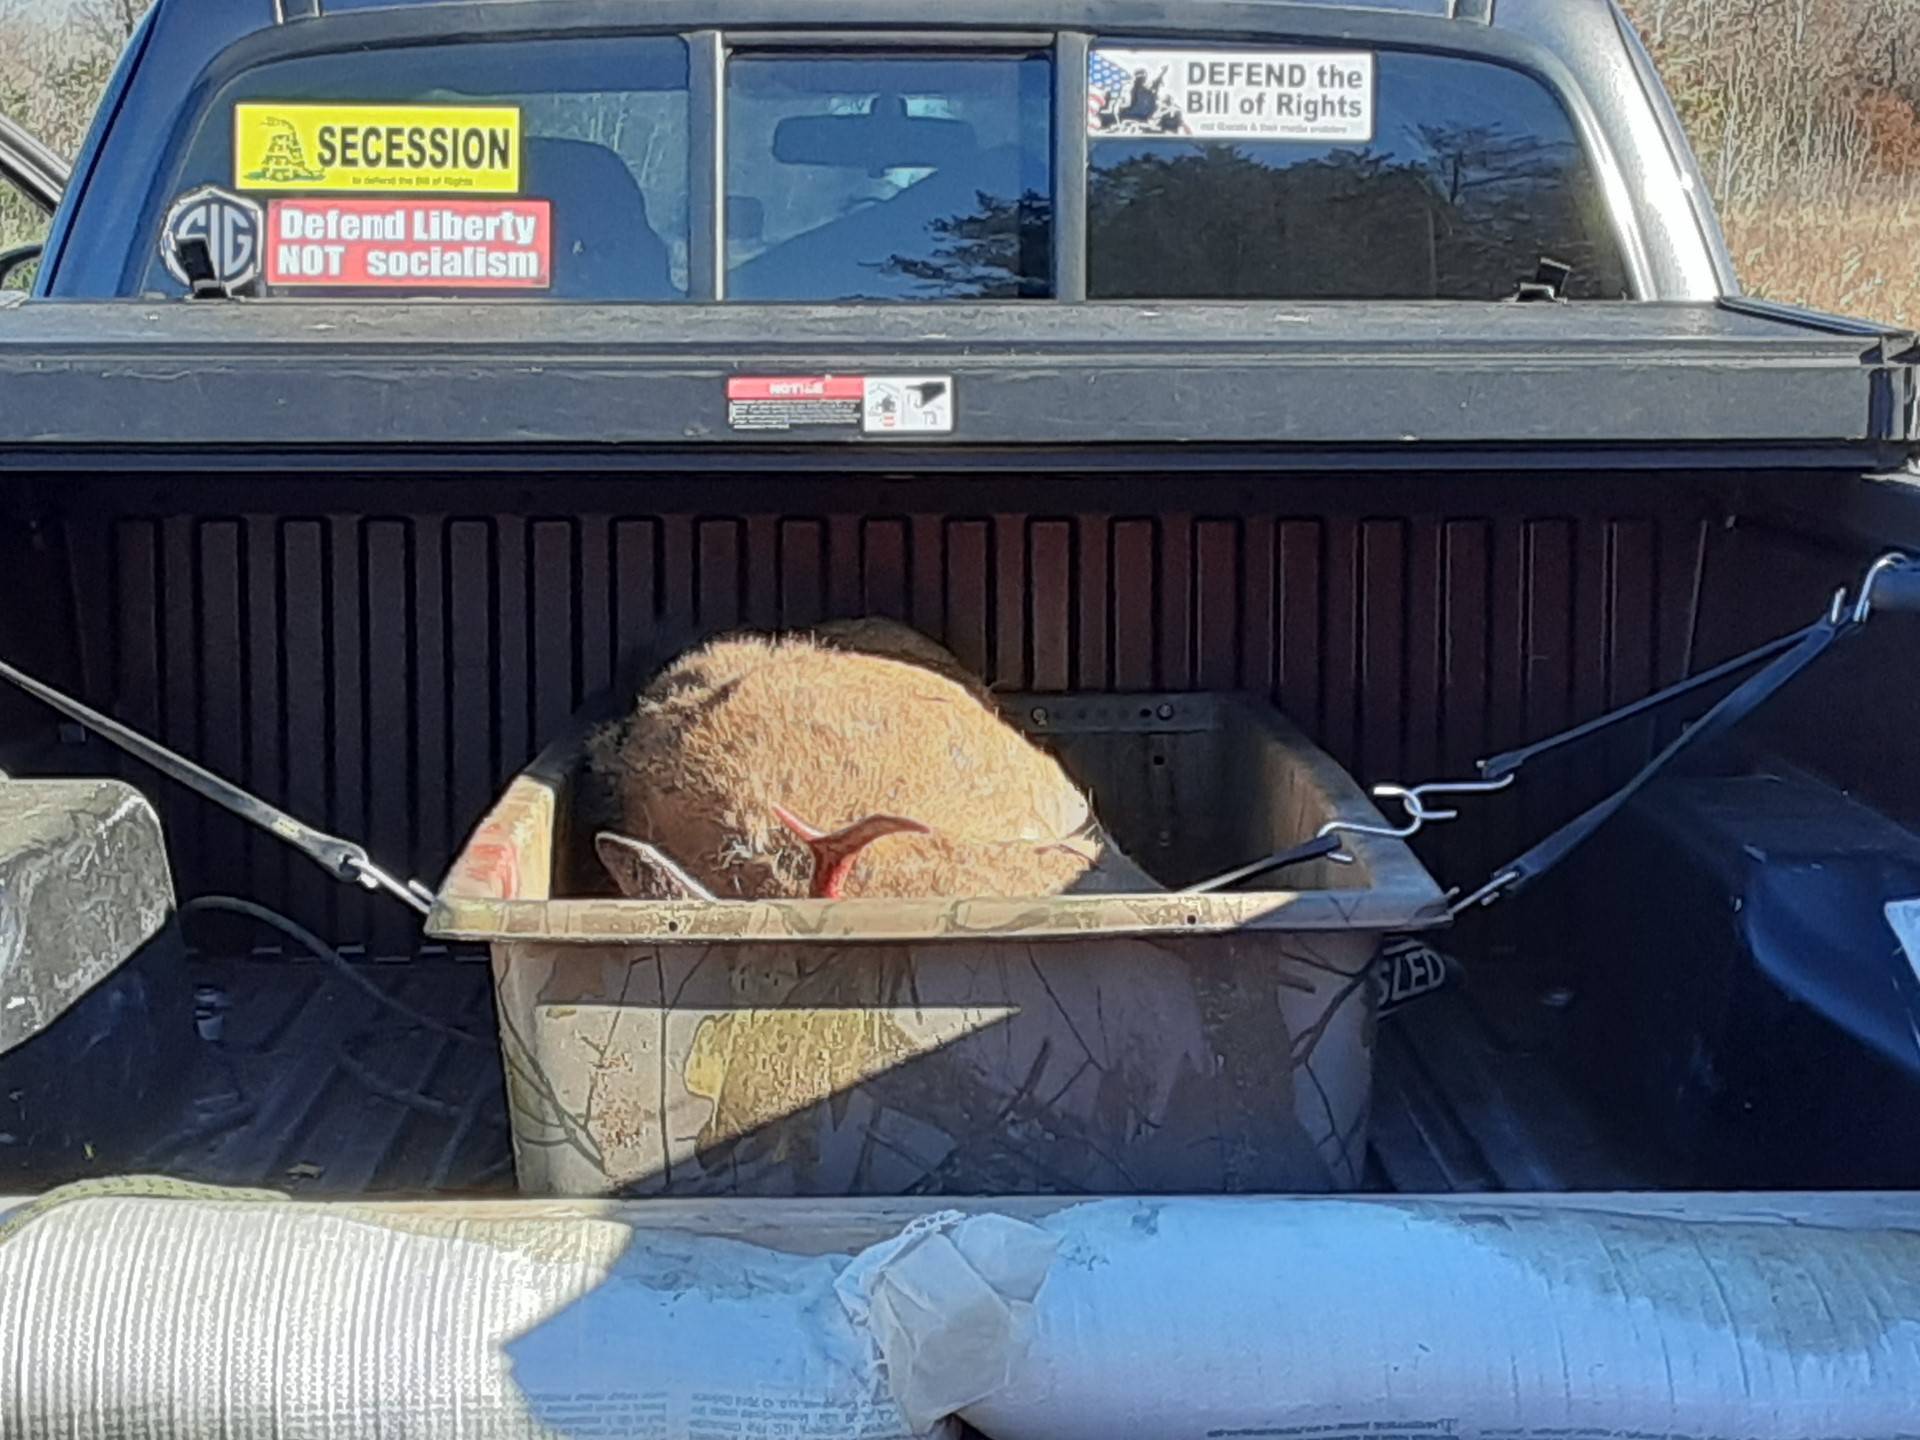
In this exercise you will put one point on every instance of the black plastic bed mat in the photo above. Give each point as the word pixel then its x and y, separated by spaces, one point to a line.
pixel 304 1083
pixel 297 1079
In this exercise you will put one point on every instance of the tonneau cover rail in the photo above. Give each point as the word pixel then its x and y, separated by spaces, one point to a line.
pixel 521 376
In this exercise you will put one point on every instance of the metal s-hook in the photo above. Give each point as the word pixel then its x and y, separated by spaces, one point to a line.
pixel 1414 801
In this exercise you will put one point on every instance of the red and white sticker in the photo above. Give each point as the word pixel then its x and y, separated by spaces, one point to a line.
pixel 786 402
pixel 410 244
pixel 877 404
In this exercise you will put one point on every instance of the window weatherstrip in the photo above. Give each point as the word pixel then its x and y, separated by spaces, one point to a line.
pixel 1069 241
pixel 706 165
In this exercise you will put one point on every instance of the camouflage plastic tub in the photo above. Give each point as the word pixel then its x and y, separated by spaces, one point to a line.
pixel 1077 1043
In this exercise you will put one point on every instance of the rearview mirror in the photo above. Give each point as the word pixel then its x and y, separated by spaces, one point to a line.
pixel 884 138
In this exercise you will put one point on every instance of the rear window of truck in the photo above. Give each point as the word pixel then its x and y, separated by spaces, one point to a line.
pixel 1292 174
pixel 559 168
pixel 550 168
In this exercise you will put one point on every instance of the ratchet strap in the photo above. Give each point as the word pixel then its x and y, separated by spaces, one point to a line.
pixel 1892 582
pixel 1317 848
pixel 1791 655
pixel 1509 762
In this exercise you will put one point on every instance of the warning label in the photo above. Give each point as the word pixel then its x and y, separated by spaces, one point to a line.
pixel 472 148
pixel 1231 95
pixel 418 244
pixel 784 402
pixel 908 405
pixel 877 404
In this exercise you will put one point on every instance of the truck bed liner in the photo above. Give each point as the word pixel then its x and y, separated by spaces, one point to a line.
pixel 316 1090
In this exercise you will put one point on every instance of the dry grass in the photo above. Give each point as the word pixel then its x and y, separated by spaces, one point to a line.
pixel 1860 259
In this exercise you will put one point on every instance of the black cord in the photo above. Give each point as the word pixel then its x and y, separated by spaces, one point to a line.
pixel 320 950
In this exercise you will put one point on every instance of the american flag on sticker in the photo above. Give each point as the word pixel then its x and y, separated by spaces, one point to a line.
pixel 1107 84
pixel 1127 94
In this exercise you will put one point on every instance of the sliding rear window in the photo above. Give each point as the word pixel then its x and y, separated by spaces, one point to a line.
pixel 1284 174
pixel 889 177
pixel 538 168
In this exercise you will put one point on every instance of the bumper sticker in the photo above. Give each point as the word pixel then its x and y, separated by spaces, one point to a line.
pixel 471 149
pixel 228 224
pixel 411 244
pixel 1231 94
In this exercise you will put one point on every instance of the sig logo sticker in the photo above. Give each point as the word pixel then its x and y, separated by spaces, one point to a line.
pixel 1231 94
pixel 228 225
pixel 471 149
pixel 907 405
pixel 416 244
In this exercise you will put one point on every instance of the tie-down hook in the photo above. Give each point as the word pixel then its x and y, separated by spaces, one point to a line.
pixel 1414 801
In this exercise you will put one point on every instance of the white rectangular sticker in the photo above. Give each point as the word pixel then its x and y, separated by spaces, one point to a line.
pixel 1231 94
pixel 907 405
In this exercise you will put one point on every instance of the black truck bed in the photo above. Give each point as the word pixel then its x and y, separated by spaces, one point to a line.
pixel 325 569
pixel 301 1082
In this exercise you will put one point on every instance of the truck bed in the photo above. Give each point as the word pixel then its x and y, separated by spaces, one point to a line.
pixel 1456 530
pixel 308 1084
pixel 313 1088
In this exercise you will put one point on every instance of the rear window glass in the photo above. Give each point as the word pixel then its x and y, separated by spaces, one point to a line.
pixel 547 169
pixel 888 178
pixel 1391 176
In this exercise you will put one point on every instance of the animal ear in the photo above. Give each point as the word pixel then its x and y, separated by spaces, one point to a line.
pixel 643 873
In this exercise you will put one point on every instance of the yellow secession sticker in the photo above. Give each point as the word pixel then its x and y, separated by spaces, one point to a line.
pixel 449 149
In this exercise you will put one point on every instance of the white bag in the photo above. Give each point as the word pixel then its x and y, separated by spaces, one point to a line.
pixel 136 1317
pixel 1393 1319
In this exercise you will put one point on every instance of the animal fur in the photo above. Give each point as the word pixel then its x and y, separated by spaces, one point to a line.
pixel 730 734
pixel 891 640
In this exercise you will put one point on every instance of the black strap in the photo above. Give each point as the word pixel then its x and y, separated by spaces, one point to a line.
pixel 1733 707
pixel 1314 849
pixel 342 859
pixel 1509 762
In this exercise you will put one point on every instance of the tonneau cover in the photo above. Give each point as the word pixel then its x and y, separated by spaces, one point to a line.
pixel 296 375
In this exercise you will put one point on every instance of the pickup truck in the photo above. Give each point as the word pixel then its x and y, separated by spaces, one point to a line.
pixel 399 381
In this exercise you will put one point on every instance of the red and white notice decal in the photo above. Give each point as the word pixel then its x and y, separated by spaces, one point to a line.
pixel 783 402
pixel 877 404
pixel 411 244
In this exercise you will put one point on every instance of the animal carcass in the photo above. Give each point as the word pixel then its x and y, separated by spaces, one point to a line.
pixel 850 765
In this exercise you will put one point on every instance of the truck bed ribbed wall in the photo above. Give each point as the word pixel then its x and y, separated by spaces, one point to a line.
pixel 381 656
